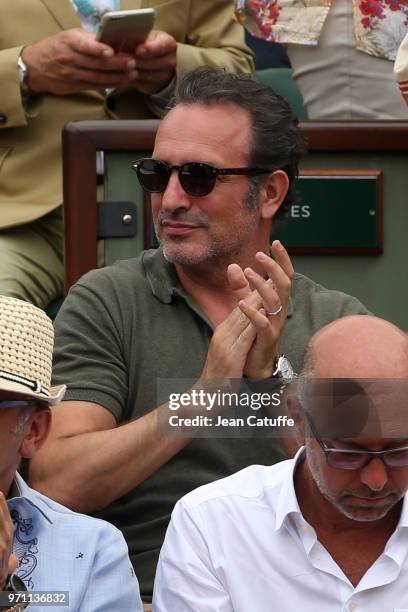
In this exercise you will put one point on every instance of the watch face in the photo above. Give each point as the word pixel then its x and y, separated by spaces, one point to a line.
pixel 23 74
pixel 22 67
pixel 285 369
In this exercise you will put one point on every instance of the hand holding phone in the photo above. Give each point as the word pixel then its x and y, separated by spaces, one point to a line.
pixel 125 30
pixel 72 61
pixel 155 51
pixel 156 62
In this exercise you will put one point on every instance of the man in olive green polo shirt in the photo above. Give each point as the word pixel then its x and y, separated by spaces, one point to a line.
pixel 209 304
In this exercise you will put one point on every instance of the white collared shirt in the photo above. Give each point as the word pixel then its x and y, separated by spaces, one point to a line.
pixel 60 550
pixel 241 544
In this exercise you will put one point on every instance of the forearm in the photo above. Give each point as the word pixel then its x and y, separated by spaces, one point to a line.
pixel 88 471
pixel 87 464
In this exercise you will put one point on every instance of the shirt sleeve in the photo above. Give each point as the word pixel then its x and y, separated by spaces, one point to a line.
pixel 112 584
pixel 16 114
pixel 186 580
pixel 215 38
pixel 88 352
pixel 11 105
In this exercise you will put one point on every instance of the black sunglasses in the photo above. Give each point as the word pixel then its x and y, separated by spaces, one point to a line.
pixel 196 178
pixel 348 459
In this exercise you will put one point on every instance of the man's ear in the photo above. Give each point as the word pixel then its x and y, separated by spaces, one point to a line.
pixel 37 429
pixel 272 193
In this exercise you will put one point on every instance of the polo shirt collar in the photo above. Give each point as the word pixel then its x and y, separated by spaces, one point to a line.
pixel 164 282
pixel 160 274
pixel 163 279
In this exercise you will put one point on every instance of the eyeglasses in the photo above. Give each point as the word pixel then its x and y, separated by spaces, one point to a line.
pixel 347 459
pixel 196 178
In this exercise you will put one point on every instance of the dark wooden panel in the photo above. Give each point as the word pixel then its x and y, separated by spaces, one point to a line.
pixel 82 139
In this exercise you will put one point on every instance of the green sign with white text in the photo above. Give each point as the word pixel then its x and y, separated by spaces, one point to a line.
pixel 336 212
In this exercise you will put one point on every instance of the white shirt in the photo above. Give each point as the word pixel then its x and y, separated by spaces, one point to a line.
pixel 240 544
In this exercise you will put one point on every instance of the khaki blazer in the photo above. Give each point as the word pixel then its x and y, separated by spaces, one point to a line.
pixel 30 140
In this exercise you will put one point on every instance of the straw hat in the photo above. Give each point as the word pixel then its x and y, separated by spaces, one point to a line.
pixel 401 68
pixel 26 343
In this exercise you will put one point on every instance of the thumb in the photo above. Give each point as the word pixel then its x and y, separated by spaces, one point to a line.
pixel 238 282
pixel 13 564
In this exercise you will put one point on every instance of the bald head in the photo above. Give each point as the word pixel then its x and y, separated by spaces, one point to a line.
pixel 359 346
pixel 354 398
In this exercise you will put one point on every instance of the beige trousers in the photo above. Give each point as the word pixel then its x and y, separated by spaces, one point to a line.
pixel 31 265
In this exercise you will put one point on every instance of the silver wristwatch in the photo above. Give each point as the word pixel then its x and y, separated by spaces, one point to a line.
pixel 23 75
pixel 283 369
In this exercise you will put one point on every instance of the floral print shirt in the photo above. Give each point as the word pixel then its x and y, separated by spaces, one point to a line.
pixel 379 25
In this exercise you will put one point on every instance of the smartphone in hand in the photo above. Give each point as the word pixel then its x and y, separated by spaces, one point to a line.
pixel 124 30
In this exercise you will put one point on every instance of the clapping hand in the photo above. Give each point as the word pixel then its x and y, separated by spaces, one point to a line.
pixel 267 311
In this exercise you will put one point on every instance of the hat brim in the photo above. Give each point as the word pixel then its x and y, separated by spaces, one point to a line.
pixel 55 397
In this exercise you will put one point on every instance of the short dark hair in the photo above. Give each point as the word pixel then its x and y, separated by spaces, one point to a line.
pixel 277 142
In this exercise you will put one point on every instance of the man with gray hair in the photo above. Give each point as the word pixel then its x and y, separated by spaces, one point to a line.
pixel 325 531
pixel 48 554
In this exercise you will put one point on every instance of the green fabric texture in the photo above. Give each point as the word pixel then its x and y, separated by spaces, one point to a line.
pixel 282 82
pixel 121 329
